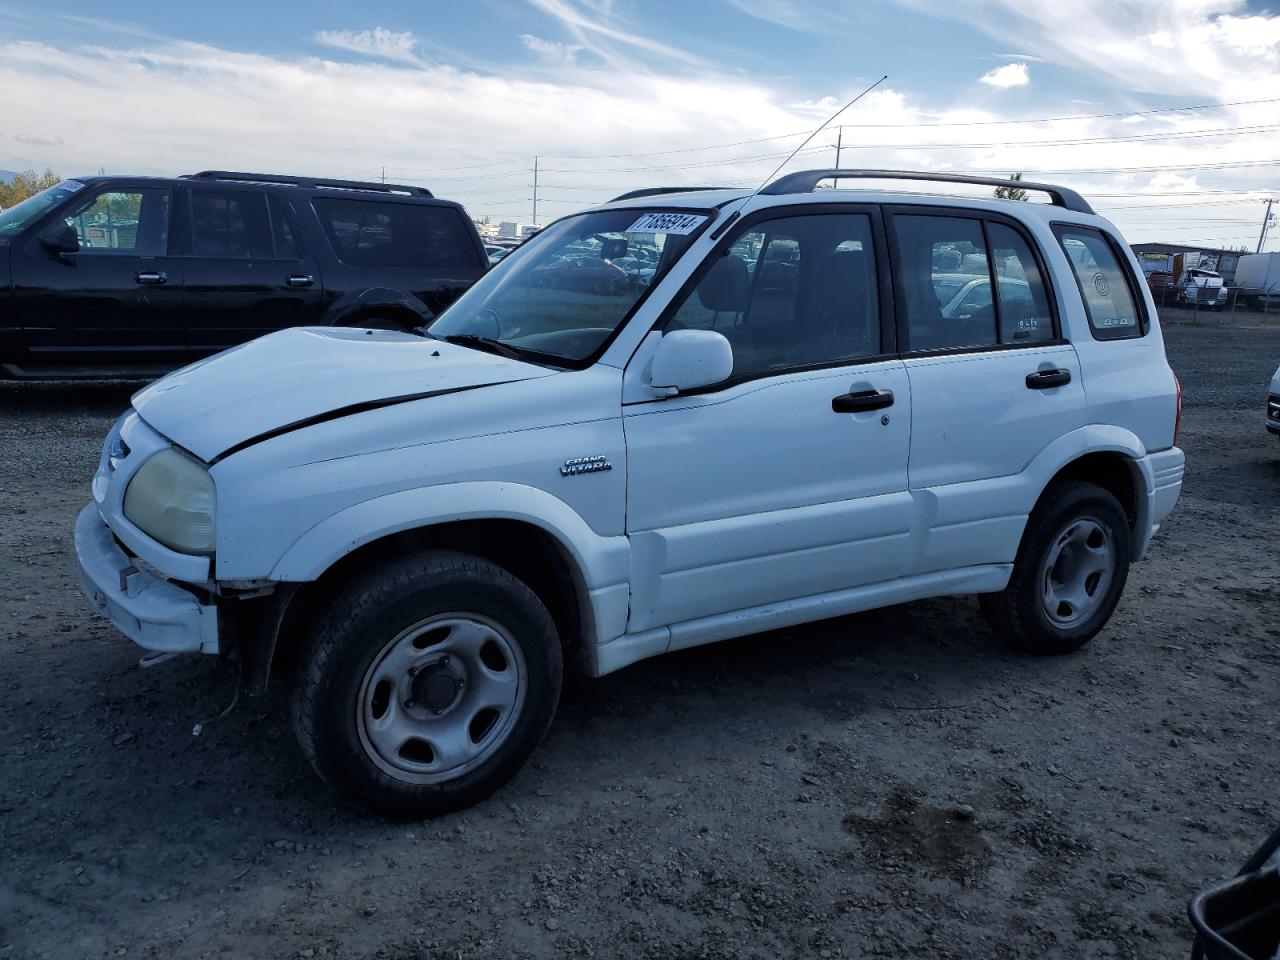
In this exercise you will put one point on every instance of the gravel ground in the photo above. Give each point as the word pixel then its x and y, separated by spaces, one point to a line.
pixel 893 784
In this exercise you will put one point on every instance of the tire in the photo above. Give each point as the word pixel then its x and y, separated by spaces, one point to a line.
pixel 378 670
pixel 1050 609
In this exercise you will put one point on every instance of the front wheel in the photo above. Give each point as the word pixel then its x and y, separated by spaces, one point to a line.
pixel 1069 573
pixel 428 684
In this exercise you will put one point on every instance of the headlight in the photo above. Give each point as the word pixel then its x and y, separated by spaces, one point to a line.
pixel 171 498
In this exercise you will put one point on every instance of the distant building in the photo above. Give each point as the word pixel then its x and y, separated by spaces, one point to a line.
pixel 1159 256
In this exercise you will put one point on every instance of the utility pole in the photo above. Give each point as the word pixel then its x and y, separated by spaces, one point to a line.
pixel 1266 222
pixel 384 174
pixel 535 191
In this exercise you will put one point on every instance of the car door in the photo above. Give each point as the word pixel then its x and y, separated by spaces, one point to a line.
pixel 790 479
pixel 992 380
pixel 119 298
pixel 249 273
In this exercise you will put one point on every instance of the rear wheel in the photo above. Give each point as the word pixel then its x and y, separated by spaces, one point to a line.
pixel 1069 573
pixel 428 684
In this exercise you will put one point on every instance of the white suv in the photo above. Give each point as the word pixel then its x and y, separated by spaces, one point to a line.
pixel 796 418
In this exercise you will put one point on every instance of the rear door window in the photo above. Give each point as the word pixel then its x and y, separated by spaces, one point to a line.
pixel 945 282
pixel 230 224
pixel 387 234
pixel 1110 299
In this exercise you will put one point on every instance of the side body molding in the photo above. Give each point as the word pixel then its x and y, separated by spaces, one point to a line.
pixel 602 563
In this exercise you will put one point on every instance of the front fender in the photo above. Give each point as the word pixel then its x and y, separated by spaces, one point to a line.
pixel 602 563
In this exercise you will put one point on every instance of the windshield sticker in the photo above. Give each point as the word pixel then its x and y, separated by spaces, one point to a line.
pixel 72 185
pixel 675 224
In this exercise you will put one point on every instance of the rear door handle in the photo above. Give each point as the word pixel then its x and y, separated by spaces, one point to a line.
pixel 862 401
pixel 150 277
pixel 1044 379
pixel 300 280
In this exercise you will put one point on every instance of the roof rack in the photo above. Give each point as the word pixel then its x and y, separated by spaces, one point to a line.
pixel 312 182
pixel 657 191
pixel 805 181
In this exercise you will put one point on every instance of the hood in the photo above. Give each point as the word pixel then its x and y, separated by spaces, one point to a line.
pixel 293 378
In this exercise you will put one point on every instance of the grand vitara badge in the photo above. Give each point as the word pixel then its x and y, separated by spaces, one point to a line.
pixel 576 465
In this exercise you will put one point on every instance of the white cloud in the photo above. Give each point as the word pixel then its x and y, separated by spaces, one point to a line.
pixel 378 42
pixel 551 50
pixel 595 27
pixel 39 139
pixel 1010 75
pixel 806 17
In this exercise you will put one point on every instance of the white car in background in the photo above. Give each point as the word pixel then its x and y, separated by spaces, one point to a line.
pixel 430 527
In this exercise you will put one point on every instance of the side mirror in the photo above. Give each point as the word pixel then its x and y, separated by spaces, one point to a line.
pixel 688 359
pixel 60 238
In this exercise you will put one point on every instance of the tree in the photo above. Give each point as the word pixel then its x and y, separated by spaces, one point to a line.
pixel 26 184
pixel 1012 193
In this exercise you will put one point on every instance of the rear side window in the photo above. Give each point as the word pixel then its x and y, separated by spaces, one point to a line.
pixel 1109 298
pixel 230 224
pixel 1024 301
pixel 382 234
pixel 945 281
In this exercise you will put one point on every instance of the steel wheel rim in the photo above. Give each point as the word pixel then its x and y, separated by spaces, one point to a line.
pixel 1077 572
pixel 412 727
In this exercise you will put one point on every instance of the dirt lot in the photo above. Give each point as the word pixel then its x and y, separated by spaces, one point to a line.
pixel 793 794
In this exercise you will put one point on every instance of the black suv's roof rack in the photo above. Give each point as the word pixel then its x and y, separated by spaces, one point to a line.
pixel 657 191
pixel 312 182
pixel 805 181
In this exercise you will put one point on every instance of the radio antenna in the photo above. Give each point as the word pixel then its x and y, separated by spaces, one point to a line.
pixel 715 234
pixel 826 123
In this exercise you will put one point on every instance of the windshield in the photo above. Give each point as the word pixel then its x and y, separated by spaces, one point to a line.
pixel 565 292
pixel 15 219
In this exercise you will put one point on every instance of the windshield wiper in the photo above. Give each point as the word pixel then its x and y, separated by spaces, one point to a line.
pixel 503 349
pixel 487 344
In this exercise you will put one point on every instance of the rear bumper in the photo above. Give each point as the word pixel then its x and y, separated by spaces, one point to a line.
pixel 1163 472
pixel 154 613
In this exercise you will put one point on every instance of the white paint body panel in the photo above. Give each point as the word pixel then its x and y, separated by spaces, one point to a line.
pixel 728 511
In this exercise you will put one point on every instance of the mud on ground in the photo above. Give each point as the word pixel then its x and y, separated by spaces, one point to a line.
pixel 894 784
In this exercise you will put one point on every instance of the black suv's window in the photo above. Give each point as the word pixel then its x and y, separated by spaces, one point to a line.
pixel 1109 298
pixel 124 221
pixel 380 234
pixel 230 224
pixel 282 231
pixel 792 292
pixel 946 267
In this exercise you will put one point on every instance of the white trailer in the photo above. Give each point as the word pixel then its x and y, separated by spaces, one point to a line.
pixel 1258 276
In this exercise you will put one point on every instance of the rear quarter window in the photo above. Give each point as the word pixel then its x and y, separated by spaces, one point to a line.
pixel 1111 300
pixel 382 234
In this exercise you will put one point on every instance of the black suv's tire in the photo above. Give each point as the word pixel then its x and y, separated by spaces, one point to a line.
pixel 447 655
pixel 1069 573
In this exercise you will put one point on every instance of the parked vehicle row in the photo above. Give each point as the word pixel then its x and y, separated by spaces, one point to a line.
pixel 109 275
pixel 823 401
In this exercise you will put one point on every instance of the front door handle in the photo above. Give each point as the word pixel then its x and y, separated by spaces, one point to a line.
pixel 1044 379
pixel 862 401
pixel 150 277
pixel 300 280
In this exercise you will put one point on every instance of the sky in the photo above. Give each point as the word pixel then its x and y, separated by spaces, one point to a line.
pixel 1165 113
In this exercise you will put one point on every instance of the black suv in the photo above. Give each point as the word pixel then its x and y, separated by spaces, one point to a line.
pixel 134 275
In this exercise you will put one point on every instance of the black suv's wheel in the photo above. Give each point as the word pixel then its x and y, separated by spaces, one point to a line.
pixel 1069 573
pixel 427 684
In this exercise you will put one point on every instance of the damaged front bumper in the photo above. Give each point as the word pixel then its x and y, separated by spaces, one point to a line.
pixel 157 614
